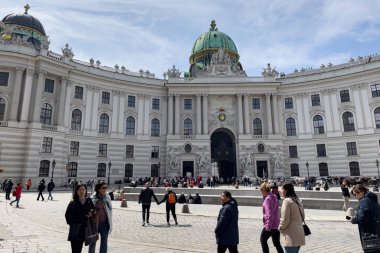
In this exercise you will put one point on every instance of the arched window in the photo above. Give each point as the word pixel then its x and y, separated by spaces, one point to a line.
pixel 291 127
pixel 130 126
pixel 257 127
pixel 188 127
pixel 73 169
pixel 318 124
pixel 76 119
pixel 348 122
pixel 104 123
pixel 101 170
pixel 323 169
pixel 46 114
pixel 376 112
pixel 155 127
pixel 294 170
pixel 2 109
pixel 44 168
pixel 354 169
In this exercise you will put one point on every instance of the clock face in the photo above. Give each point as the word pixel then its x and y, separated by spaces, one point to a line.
pixel 222 117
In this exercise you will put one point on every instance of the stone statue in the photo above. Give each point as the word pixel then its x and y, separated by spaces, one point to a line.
pixel 173 162
pixel 68 52
pixel 277 162
pixel 173 72
pixel 270 72
pixel 203 162
pixel 246 164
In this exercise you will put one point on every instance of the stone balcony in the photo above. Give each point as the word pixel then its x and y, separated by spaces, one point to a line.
pixel 49 127
pixel 76 132
pixel 3 123
pixel 253 79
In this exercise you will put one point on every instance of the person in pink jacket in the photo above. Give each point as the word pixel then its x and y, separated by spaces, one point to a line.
pixel 18 190
pixel 271 220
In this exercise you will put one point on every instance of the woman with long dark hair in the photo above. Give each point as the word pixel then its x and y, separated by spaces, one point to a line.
pixel 77 213
pixel 292 216
pixel 103 208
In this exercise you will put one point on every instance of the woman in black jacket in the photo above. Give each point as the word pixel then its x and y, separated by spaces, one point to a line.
pixel 77 213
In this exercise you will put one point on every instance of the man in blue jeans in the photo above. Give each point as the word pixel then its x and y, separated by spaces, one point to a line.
pixel 50 188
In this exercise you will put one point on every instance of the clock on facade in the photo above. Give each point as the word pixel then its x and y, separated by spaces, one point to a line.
pixel 222 117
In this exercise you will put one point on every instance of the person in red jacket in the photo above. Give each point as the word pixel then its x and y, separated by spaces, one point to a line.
pixel 18 190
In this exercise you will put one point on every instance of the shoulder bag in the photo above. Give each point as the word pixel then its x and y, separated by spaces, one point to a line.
pixel 306 228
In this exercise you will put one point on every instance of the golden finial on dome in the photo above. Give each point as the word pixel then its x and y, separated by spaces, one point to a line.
pixel 27 7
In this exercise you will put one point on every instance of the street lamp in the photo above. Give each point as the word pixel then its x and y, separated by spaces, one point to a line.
pixel 109 171
pixel 52 172
pixel 377 165
pixel 307 167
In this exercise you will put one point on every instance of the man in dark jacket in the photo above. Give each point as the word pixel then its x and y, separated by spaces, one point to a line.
pixel 171 200
pixel 8 188
pixel 41 188
pixel 146 198
pixel 227 231
pixel 50 188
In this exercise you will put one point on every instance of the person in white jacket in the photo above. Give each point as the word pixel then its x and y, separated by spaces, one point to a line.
pixel 103 208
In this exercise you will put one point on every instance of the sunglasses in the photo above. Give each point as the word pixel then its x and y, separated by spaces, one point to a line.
pixel 104 188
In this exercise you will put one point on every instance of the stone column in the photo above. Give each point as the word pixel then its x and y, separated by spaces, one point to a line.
pixel 240 113
pixel 199 115
pixel 88 112
pixel 170 114
pixel 280 107
pixel 120 128
pixel 334 105
pixel 67 114
pixel 365 107
pixel 95 108
pixel 27 95
pixel 328 110
pixel 205 113
pixel 359 124
pixel 115 111
pixel 38 96
pixel 246 114
pixel 176 116
pixel 140 116
pixel 306 114
pixel 146 115
pixel 16 94
pixel 275 114
pixel 300 115
pixel 269 113
pixel 61 100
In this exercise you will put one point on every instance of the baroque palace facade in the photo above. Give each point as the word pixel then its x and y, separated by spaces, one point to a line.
pixel 81 119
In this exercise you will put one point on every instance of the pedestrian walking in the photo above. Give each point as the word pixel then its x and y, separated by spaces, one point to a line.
pixel 103 208
pixel 367 214
pixel 145 199
pixel 41 188
pixel 271 219
pixel 28 184
pixel 8 188
pixel 227 230
pixel 171 199
pixel 345 194
pixel 50 188
pixel 292 216
pixel 18 190
pixel 74 185
pixel 77 213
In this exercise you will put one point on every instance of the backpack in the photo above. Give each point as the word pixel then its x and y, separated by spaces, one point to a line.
pixel 171 198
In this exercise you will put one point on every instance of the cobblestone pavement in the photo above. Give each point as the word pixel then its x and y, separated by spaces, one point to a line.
pixel 40 227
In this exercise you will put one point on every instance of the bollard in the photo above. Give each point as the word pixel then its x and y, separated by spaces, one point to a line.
pixel 124 203
pixel 185 208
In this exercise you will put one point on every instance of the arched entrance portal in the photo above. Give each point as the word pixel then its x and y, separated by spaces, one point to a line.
pixel 223 153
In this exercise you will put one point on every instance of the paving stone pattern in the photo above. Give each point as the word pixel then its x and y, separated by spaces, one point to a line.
pixel 40 227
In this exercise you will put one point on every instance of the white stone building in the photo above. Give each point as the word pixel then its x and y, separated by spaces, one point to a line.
pixel 83 116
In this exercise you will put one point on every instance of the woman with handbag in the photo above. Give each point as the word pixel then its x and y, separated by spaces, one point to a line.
pixel 17 195
pixel 292 219
pixel 365 216
pixel 103 208
pixel 79 210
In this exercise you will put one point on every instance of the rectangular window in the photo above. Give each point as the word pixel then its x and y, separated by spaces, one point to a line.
pixel 128 170
pixel 288 103
pixel 256 103
pixel 131 101
pixel 344 96
pixel 101 170
pixel 351 148
pixel 4 77
pixel 49 86
pixel 154 170
pixel 106 97
pixel 315 100
pixel 74 148
pixel 47 144
pixel 102 150
pixel 187 104
pixel 294 170
pixel 293 153
pixel 78 94
pixel 321 150
pixel 129 150
pixel 155 104
pixel 375 89
pixel 44 168
pixel 155 152
pixel 72 170
pixel 354 169
pixel 323 169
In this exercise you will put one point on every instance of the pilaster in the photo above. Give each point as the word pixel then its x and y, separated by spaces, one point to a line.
pixel 16 94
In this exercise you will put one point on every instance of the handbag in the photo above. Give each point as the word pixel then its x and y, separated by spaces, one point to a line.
pixel 371 243
pixel 91 231
pixel 306 228
pixel 74 231
pixel 14 193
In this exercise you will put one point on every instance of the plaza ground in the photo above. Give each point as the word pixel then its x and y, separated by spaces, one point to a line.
pixel 40 227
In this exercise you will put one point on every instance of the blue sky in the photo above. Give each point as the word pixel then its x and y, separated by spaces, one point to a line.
pixel 154 34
